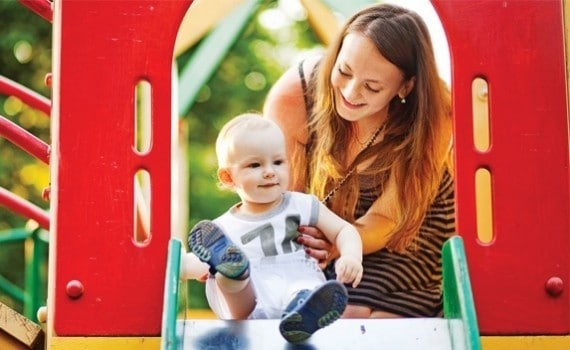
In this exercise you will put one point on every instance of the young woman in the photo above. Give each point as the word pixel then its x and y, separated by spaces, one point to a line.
pixel 368 129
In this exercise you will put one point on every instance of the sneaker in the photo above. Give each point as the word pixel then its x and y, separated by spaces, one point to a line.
pixel 211 246
pixel 310 311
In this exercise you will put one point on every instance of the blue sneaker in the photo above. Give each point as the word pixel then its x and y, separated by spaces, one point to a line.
pixel 310 311
pixel 211 246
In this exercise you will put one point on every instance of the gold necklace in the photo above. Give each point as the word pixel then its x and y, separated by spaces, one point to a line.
pixel 364 148
pixel 362 144
pixel 372 137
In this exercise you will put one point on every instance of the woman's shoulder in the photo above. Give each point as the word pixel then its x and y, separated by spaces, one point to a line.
pixel 307 198
pixel 309 65
pixel 285 103
pixel 290 83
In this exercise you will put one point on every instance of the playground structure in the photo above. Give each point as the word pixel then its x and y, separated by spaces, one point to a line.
pixel 518 277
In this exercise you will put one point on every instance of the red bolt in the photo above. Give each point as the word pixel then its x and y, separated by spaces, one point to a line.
pixel 554 286
pixel 74 289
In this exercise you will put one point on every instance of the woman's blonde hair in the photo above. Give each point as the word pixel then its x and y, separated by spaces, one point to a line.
pixel 417 133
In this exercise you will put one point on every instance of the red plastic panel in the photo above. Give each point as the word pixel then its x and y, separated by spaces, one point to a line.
pixel 518 48
pixel 104 283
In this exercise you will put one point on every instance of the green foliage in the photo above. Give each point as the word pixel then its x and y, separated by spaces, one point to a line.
pixel 25 57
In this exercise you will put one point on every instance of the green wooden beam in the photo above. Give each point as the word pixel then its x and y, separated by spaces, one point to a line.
pixel 210 52
pixel 348 8
pixel 458 304
pixel 170 301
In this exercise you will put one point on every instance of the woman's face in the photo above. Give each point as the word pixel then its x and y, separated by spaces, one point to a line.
pixel 364 82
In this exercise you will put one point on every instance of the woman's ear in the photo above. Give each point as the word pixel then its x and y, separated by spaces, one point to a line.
pixel 407 87
pixel 225 177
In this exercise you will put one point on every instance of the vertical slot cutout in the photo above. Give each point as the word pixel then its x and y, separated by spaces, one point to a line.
pixel 143 116
pixel 142 205
pixel 484 205
pixel 480 103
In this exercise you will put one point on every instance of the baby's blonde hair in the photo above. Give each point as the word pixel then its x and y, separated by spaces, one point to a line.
pixel 231 130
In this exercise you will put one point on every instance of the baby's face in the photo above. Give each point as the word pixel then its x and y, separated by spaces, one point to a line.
pixel 259 166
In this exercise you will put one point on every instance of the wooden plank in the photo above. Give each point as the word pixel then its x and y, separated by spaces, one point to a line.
pixel 17 331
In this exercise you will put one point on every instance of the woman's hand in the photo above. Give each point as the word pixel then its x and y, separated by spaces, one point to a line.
pixel 317 245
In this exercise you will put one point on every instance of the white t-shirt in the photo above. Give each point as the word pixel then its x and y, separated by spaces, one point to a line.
pixel 279 267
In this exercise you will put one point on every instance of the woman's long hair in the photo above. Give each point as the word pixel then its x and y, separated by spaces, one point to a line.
pixel 417 133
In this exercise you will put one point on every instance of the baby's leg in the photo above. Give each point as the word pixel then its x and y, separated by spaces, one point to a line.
pixel 228 264
pixel 238 295
pixel 210 244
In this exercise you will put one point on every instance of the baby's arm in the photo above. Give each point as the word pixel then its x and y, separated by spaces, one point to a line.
pixel 347 240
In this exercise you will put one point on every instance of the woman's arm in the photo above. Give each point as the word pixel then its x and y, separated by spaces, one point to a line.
pixel 375 229
pixel 285 105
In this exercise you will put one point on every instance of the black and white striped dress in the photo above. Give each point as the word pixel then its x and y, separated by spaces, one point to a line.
pixel 409 284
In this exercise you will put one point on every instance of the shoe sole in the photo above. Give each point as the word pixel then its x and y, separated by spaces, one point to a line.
pixel 323 306
pixel 209 243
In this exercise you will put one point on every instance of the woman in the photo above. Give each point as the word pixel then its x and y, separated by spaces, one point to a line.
pixel 368 128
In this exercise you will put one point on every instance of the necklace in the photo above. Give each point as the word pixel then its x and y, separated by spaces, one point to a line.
pixel 372 137
pixel 349 173
pixel 362 144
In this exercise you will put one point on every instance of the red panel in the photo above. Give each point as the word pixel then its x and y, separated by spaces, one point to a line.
pixel 102 49
pixel 518 47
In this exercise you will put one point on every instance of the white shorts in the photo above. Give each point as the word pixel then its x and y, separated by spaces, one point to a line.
pixel 276 280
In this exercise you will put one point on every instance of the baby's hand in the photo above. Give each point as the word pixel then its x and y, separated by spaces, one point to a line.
pixel 348 269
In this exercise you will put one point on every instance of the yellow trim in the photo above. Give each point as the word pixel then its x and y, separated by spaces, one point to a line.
pixel 138 343
pixel 566 33
pixel 526 342
pixel 197 314
pixel 103 343
pixel 200 18
pixel 322 20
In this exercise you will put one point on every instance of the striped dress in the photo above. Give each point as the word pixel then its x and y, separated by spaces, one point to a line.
pixel 409 284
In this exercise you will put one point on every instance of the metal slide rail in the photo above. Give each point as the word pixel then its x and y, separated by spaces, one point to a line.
pixel 31 98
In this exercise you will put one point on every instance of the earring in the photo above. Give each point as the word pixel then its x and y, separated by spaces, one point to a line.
pixel 403 100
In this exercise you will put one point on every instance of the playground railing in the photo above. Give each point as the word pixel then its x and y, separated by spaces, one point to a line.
pixel 33 294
